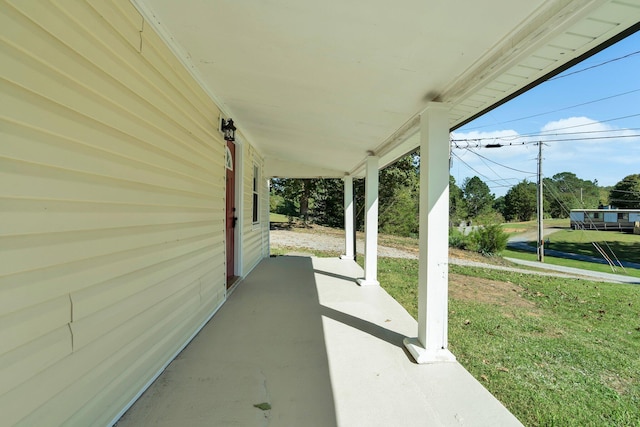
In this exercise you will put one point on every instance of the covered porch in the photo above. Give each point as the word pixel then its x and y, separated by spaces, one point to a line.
pixel 302 336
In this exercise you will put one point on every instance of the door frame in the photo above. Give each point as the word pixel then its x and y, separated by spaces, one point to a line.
pixel 238 169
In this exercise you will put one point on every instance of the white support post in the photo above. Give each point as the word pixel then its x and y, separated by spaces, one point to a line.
pixel 349 226
pixel 371 224
pixel 431 344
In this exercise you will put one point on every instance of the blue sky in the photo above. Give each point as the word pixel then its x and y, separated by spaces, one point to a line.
pixel 544 111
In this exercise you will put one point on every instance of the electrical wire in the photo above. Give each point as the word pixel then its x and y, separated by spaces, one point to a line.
pixel 544 134
pixel 559 109
pixel 499 164
pixel 595 138
pixel 467 165
pixel 561 76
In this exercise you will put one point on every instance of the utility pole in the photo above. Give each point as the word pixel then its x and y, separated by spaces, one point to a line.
pixel 540 210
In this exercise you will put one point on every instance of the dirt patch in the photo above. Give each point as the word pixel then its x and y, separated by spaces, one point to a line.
pixel 475 256
pixel 487 291
pixel 620 384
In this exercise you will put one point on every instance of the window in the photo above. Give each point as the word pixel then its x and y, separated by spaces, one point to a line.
pixel 623 216
pixel 256 194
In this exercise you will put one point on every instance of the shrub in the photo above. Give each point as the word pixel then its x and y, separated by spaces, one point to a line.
pixel 488 240
pixel 457 239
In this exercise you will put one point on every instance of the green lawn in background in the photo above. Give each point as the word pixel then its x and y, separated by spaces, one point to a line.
pixel 625 246
pixel 529 226
pixel 603 268
pixel 276 217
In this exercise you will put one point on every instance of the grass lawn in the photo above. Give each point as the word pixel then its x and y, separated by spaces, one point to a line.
pixel 625 246
pixel 555 352
pixel 603 268
pixel 532 226
pixel 276 217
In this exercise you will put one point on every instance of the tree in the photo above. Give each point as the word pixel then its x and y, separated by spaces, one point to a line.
pixel 565 191
pixel 296 192
pixel 328 203
pixel 401 217
pixel 477 196
pixel 456 202
pixel 626 193
pixel 499 206
pixel 520 201
pixel 398 197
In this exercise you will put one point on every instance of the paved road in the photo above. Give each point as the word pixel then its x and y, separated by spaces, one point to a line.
pixel 592 275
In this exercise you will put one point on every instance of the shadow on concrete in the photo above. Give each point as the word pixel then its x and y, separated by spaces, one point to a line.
pixel 370 328
pixel 320 351
pixel 336 276
pixel 265 345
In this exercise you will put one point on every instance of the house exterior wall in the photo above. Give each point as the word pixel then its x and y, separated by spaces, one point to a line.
pixel 604 219
pixel 255 235
pixel 112 205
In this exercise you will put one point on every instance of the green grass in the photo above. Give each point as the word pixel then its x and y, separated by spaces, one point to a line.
pixel 533 225
pixel 625 246
pixel 561 353
pixel 603 268
pixel 276 217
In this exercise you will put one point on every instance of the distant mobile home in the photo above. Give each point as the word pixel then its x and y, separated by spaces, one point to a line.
pixel 604 219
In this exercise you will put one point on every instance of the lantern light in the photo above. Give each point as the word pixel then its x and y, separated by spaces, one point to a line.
pixel 228 129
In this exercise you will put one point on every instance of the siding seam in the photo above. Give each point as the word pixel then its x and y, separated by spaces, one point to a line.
pixel 71 335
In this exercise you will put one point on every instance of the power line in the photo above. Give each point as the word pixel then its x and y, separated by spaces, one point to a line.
pixel 499 164
pixel 546 133
pixel 478 145
pixel 467 165
pixel 561 109
pixel 594 138
pixel 485 163
pixel 593 66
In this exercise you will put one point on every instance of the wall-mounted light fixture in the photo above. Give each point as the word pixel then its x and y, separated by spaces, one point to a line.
pixel 228 129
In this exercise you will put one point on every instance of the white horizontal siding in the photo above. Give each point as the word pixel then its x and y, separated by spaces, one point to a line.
pixel 254 242
pixel 112 206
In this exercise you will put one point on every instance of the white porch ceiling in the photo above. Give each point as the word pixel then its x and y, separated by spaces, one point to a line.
pixel 317 85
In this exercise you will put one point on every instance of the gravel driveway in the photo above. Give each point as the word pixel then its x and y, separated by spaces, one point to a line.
pixel 327 242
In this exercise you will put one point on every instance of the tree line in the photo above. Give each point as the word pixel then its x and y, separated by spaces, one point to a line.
pixel 320 201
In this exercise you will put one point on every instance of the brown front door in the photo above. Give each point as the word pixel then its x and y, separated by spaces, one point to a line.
pixel 231 212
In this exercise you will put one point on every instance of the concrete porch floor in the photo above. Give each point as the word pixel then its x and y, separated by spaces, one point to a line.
pixel 301 335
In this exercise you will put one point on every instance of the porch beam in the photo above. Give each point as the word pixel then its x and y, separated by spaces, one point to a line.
pixel 431 344
pixel 371 223
pixel 349 226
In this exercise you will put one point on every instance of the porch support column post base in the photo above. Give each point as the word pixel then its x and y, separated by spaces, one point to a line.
pixel 433 271
pixel 422 355
pixel 368 282
pixel 371 223
pixel 349 221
